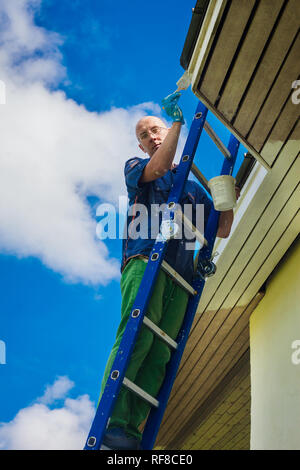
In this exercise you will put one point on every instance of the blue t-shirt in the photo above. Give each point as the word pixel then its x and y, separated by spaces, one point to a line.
pixel 142 198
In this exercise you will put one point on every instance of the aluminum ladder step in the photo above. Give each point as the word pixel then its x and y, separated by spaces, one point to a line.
pixel 216 139
pixel 180 216
pixel 200 177
pixel 140 392
pixel 160 333
pixel 176 277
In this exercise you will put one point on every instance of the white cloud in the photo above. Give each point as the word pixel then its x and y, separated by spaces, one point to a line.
pixel 21 39
pixel 38 427
pixel 54 153
pixel 57 391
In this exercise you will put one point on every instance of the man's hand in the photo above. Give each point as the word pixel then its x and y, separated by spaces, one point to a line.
pixel 237 192
pixel 226 219
pixel 225 223
pixel 169 104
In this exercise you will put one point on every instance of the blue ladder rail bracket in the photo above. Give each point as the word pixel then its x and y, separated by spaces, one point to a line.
pixel 118 370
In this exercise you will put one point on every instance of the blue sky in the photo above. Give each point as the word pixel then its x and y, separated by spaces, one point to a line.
pixel 78 75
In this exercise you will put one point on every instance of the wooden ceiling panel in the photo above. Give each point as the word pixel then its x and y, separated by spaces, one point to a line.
pixel 248 57
pixel 222 57
pixel 268 69
pixel 217 419
pixel 278 102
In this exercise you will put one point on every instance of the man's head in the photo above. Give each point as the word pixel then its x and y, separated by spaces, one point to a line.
pixel 151 132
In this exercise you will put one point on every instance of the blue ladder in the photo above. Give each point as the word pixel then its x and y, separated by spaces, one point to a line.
pixel 205 268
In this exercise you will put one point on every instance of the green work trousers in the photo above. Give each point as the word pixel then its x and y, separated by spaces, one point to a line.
pixel 147 365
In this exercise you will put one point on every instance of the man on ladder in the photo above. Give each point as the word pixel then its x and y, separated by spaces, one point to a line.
pixel 149 182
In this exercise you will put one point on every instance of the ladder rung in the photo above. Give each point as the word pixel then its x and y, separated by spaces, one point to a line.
pixel 193 230
pixel 140 392
pixel 177 278
pixel 160 333
pixel 200 177
pixel 217 140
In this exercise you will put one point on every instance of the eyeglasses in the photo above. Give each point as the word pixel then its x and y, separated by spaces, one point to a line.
pixel 154 131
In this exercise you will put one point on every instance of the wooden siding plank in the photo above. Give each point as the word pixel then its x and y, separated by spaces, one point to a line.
pixel 257 36
pixel 243 413
pixel 204 345
pixel 283 243
pixel 219 411
pixel 278 95
pixel 213 344
pixel 238 432
pixel 260 262
pixel 213 17
pixel 286 121
pixel 221 58
pixel 217 425
pixel 212 374
pixel 193 394
pixel 239 437
pixel 208 385
pixel 214 404
pixel 201 339
pixel 221 427
pixel 269 67
pixel 232 129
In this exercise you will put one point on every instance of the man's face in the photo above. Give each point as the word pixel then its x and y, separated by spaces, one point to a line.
pixel 151 132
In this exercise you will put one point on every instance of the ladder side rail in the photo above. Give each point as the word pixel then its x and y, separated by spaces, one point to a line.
pixel 121 361
pixel 228 164
pixel 188 153
pixel 156 415
pixel 113 385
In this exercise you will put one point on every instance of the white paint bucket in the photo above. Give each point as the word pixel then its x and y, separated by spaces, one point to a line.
pixel 222 190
